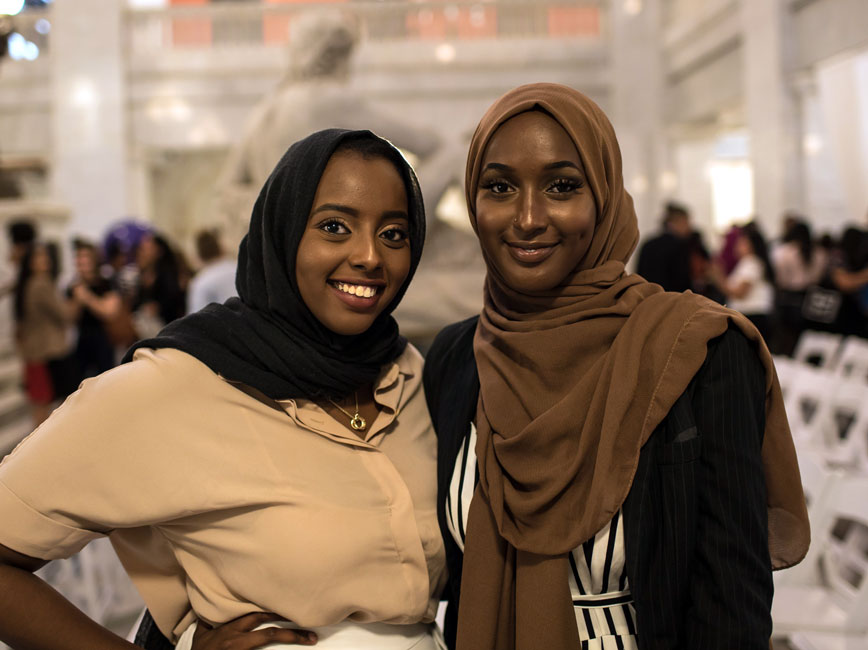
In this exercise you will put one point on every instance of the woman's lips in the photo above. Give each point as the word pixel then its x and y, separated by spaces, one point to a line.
pixel 531 253
pixel 347 293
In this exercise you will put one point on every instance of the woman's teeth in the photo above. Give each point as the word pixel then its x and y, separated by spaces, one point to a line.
pixel 357 289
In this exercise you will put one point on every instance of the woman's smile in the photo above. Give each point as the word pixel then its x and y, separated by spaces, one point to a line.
pixel 359 296
pixel 531 252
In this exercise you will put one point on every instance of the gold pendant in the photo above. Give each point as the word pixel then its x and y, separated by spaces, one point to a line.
pixel 358 423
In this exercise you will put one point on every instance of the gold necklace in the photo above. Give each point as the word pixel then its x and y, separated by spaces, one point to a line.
pixel 357 422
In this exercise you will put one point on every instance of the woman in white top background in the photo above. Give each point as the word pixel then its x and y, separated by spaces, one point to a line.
pixel 749 289
pixel 798 264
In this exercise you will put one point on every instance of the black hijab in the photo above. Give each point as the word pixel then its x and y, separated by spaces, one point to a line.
pixel 267 338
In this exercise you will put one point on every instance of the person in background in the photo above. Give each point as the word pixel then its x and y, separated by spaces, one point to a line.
pixel 749 289
pixel 701 269
pixel 158 298
pixel 797 264
pixel 21 234
pixel 215 281
pixel 42 322
pixel 120 268
pixel 848 273
pixel 726 258
pixel 665 259
pixel 93 302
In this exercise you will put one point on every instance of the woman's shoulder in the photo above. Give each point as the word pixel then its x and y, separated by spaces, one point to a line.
pixel 454 339
pixel 732 343
pixel 40 285
pixel 163 374
pixel 450 367
pixel 732 360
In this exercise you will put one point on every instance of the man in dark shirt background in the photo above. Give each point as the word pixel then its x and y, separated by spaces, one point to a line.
pixel 665 259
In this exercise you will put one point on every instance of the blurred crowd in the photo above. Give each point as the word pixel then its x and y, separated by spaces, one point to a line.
pixel 122 289
pixel 785 285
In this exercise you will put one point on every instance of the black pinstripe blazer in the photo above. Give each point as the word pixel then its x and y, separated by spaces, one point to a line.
pixel 695 523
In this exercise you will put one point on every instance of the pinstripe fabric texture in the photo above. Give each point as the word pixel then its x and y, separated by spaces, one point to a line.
pixel 695 521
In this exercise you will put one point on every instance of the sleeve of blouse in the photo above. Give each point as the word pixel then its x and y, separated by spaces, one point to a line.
pixel 120 452
pixel 731 589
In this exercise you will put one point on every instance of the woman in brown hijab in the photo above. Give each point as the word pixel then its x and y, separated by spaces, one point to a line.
pixel 615 464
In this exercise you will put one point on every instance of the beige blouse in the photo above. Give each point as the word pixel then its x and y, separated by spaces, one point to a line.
pixel 221 502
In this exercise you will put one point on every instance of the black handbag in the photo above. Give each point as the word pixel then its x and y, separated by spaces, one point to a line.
pixel 821 304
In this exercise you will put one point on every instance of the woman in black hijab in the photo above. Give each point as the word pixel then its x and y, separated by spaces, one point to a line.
pixel 335 237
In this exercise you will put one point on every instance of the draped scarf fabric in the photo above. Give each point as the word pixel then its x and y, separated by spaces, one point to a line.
pixel 573 381
pixel 267 338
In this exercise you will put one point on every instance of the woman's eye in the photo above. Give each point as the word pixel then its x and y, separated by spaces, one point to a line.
pixel 334 227
pixel 565 185
pixel 496 186
pixel 396 235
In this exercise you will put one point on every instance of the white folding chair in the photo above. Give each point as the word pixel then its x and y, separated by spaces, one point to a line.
pixel 808 397
pixel 818 482
pixel 843 426
pixel 853 359
pixel 838 602
pixel 786 369
pixel 828 641
pixel 818 348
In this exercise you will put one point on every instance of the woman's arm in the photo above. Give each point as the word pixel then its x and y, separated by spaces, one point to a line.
pixel 33 616
pixel 104 307
pixel 731 583
pixel 736 290
pixel 849 281
pixel 730 287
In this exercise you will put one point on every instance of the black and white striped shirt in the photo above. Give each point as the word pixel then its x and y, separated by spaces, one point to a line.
pixel 598 583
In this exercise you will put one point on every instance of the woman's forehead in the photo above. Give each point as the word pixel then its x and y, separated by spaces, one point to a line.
pixel 531 135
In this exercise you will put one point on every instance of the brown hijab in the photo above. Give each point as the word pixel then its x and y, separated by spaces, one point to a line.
pixel 572 383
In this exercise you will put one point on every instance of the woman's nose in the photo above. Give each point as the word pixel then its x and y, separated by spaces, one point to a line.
pixel 530 214
pixel 365 253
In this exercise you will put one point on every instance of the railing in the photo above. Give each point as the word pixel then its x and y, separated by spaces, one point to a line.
pixel 243 25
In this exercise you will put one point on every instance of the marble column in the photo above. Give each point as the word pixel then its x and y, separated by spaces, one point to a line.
pixel 637 108
pixel 88 122
pixel 771 112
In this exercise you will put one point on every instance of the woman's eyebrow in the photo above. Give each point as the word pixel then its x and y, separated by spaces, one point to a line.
pixel 498 166
pixel 561 164
pixel 336 207
pixel 395 214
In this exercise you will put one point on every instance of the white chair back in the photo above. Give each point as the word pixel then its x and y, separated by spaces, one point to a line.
pixel 786 369
pixel 853 359
pixel 843 541
pixel 818 482
pixel 807 400
pixel 843 423
pixel 818 348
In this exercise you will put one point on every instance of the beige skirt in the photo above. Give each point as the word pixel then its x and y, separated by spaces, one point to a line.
pixel 355 636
